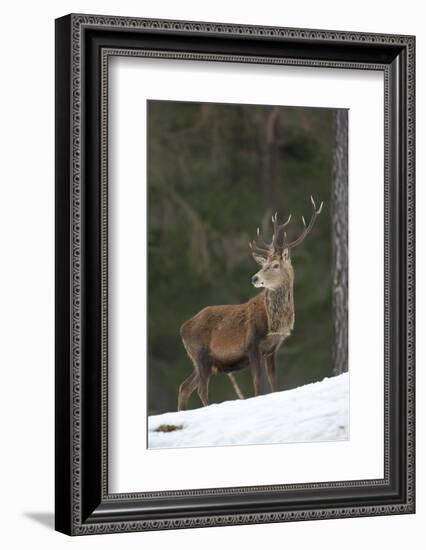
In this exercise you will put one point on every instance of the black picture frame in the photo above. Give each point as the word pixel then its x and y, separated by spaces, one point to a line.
pixel 83 504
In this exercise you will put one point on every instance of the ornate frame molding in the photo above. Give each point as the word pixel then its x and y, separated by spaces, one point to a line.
pixel 76 510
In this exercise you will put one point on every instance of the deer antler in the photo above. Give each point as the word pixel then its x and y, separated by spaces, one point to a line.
pixel 277 230
pixel 306 228
pixel 263 248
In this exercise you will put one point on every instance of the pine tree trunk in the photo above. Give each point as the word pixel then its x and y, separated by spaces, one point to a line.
pixel 270 159
pixel 340 241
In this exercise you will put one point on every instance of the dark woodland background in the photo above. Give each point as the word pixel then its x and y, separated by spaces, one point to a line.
pixel 215 173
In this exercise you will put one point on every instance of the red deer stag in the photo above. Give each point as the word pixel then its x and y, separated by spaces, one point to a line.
pixel 231 337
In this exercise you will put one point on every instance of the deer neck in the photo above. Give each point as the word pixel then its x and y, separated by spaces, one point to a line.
pixel 280 310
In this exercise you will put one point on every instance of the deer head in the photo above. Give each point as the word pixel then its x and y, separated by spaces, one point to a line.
pixel 274 257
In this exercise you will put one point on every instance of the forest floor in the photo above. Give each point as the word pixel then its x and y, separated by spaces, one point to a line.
pixel 315 412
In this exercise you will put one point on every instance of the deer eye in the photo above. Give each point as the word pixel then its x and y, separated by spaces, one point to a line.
pixel 276 266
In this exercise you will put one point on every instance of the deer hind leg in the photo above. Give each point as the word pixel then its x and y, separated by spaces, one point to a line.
pixel 235 385
pixel 186 389
pixel 270 370
pixel 204 373
pixel 199 378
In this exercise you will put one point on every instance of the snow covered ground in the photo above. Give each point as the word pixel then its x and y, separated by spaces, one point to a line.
pixel 315 412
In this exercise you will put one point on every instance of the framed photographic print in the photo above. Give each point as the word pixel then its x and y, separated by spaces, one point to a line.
pixel 234 274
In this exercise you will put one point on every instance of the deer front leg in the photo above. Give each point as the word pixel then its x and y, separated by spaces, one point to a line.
pixel 256 373
pixel 270 370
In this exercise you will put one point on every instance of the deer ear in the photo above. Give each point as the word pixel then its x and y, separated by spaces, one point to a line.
pixel 259 259
pixel 286 254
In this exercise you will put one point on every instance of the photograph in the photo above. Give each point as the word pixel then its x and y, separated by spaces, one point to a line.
pixel 247 274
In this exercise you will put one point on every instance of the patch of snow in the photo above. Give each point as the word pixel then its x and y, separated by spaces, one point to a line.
pixel 315 412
